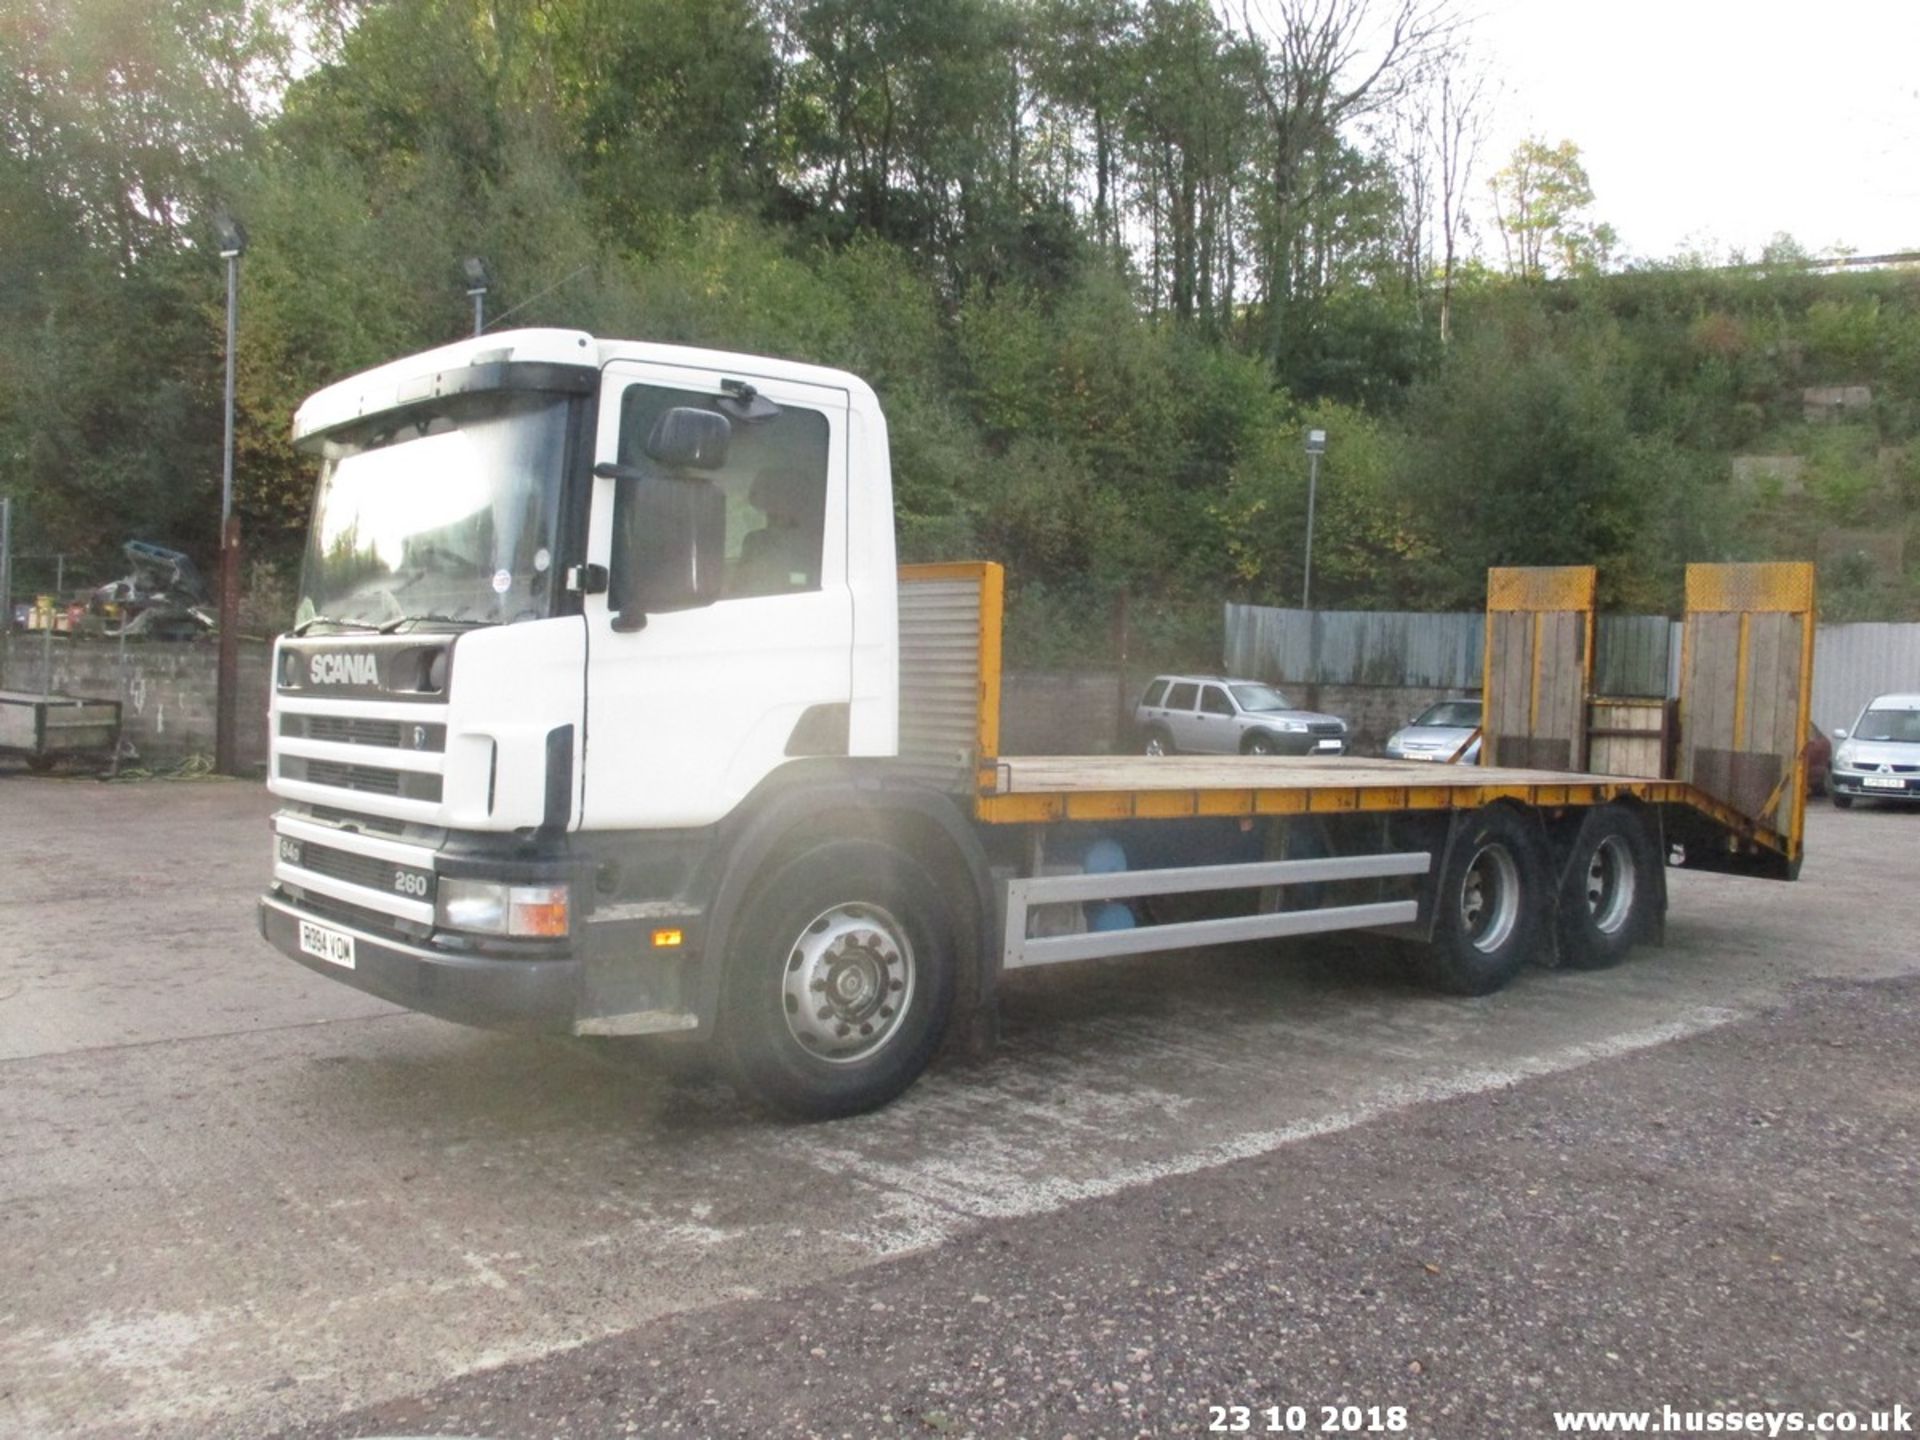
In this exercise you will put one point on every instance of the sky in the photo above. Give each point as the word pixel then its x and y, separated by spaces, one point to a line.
pixel 1714 124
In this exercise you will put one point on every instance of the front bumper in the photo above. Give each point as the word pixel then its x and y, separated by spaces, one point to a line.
pixel 1846 782
pixel 495 993
pixel 1288 743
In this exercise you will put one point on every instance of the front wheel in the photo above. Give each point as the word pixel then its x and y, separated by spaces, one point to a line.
pixel 1260 743
pixel 1842 802
pixel 1489 905
pixel 839 981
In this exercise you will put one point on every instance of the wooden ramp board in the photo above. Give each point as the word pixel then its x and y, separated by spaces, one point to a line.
pixel 1538 666
pixel 1746 687
pixel 1036 774
pixel 1118 787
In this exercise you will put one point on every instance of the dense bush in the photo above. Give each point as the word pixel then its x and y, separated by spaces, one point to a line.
pixel 1048 234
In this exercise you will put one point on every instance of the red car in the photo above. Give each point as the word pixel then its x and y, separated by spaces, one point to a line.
pixel 1819 760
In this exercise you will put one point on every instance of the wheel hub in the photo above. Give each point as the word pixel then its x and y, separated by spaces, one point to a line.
pixel 1490 898
pixel 1610 884
pixel 848 981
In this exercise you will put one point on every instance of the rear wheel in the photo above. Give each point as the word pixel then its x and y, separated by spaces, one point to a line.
pixel 1608 891
pixel 1489 905
pixel 839 981
pixel 1157 742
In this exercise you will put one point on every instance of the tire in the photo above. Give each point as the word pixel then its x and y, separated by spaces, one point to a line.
pixel 1489 903
pixel 40 764
pixel 1259 743
pixel 1842 802
pixel 1608 891
pixel 1156 741
pixel 851 924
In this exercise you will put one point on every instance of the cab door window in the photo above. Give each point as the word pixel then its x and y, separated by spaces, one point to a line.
pixel 1214 701
pixel 774 482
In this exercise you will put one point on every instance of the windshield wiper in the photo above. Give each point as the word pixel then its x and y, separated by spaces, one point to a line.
pixel 429 619
pixel 311 621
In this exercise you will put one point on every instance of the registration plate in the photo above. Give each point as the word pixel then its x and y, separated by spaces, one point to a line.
pixel 1328 745
pixel 329 945
pixel 1883 782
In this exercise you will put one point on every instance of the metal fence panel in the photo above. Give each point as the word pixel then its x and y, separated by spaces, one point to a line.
pixel 1635 655
pixel 1355 647
pixel 1854 663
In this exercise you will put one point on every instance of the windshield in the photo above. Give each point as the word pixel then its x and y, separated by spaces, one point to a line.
pixel 1901 725
pixel 444 515
pixel 1260 697
pixel 1451 714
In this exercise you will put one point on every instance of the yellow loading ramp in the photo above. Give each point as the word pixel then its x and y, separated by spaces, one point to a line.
pixel 1746 693
pixel 1538 664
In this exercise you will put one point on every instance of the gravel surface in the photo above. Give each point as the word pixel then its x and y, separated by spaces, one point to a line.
pixel 1729 1220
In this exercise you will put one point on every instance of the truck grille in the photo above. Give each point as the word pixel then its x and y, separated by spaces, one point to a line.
pixel 343 729
pixel 369 779
pixel 357 730
pixel 1325 727
pixel 344 865
pixel 383 877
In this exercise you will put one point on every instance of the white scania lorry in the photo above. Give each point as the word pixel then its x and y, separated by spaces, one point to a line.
pixel 607 712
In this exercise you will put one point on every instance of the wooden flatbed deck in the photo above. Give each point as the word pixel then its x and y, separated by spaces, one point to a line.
pixel 1039 788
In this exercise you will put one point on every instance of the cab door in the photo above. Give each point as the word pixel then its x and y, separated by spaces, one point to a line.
pixel 689 708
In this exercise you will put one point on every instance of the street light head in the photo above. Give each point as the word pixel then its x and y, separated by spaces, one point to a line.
pixel 231 234
pixel 478 276
pixel 1316 442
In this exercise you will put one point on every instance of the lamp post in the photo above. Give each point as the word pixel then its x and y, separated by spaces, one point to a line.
pixel 479 281
pixel 233 244
pixel 1316 447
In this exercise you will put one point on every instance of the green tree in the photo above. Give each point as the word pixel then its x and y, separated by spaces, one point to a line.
pixel 1542 203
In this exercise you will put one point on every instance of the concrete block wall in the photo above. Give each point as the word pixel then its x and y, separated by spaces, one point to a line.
pixel 166 690
pixel 1063 712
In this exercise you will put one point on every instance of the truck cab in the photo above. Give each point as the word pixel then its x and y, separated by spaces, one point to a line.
pixel 566 605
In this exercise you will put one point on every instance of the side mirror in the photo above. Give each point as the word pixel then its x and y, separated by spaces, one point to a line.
pixel 1840 734
pixel 675 536
pixel 672 520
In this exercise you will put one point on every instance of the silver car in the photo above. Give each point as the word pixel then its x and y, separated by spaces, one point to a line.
pixel 1438 732
pixel 1879 758
pixel 1210 715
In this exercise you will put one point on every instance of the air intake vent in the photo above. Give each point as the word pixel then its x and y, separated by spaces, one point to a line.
pixel 368 779
pixel 949 689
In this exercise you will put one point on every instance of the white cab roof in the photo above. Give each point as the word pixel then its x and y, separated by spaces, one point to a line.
pixel 1894 702
pixel 380 388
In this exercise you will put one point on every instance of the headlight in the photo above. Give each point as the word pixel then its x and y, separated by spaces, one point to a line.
pixel 1843 757
pixel 1292 727
pixel 491 907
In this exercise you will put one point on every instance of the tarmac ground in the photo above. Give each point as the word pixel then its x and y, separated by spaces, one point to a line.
pixel 240 1199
